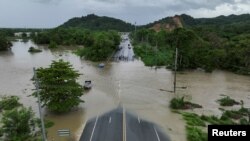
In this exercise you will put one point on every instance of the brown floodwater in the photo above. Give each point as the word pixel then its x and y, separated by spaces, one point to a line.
pixel 132 84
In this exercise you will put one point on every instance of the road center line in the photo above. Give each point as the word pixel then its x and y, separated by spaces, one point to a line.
pixel 109 119
pixel 157 134
pixel 124 124
pixel 93 129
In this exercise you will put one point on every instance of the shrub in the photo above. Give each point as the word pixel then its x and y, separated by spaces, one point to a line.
pixel 9 102
pixel 180 103
pixel 227 101
pixel 243 121
pixel 34 50
pixel 195 134
pixel 193 119
pixel 16 124
pixel 52 45
pixel 177 103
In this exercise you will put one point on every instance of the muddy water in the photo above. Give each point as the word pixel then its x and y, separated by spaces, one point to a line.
pixel 136 87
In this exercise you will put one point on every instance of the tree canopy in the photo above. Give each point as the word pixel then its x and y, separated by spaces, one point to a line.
pixel 59 89
pixel 101 46
pixel 4 43
pixel 94 22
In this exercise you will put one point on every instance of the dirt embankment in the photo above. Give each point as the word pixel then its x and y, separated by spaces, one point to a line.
pixel 169 26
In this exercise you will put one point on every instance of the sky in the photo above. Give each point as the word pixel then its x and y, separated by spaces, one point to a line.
pixel 52 13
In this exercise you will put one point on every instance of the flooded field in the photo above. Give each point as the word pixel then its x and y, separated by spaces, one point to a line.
pixel 136 87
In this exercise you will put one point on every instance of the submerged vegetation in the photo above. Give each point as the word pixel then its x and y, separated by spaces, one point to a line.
pixel 180 103
pixel 196 124
pixel 195 134
pixel 227 101
pixel 34 50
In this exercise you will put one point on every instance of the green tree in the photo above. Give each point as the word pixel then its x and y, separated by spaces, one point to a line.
pixel 52 45
pixel 102 45
pixel 59 90
pixel 24 35
pixel 4 43
pixel 17 124
pixel 9 102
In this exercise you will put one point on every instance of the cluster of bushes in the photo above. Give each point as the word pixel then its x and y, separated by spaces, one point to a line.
pixel 180 103
pixel 227 101
pixel 34 50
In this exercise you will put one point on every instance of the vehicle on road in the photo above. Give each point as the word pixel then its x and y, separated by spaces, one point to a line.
pixel 88 85
pixel 101 65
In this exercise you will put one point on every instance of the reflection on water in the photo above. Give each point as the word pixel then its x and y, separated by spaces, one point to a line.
pixel 137 88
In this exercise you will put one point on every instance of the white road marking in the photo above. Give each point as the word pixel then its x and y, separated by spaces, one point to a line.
pixel 93 129
pixel 124 124
pixel 139 120
pixel 109 119
pixel 157 134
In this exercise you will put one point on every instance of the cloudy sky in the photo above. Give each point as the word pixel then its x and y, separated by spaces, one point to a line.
pixel 51 13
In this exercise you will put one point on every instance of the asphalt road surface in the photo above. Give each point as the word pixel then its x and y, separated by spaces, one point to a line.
pixel 125 52
pixel 119 125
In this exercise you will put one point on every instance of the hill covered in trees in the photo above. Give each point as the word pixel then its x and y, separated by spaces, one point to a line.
pixel 94 22
pixel 170 23
pixel 208 43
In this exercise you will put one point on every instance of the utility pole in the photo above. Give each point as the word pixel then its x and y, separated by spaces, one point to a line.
pixel 175 68
pixel 39 105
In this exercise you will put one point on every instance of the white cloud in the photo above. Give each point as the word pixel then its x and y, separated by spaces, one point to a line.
pixel 51 13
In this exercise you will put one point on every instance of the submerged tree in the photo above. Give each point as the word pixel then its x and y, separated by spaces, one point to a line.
pixel 59 90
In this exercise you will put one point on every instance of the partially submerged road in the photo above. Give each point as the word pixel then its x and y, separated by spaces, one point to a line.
pixel 125 52
pixel 119 125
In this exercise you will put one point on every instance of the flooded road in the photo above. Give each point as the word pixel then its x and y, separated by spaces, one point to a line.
pixel 137 88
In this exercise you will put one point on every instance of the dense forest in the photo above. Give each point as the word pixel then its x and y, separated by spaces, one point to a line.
pixel 5 44
pixel 221 42
pixel 94 22
pixel 98 45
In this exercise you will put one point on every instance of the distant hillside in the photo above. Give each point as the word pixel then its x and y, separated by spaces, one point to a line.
pixel 94 22
pixel 170 23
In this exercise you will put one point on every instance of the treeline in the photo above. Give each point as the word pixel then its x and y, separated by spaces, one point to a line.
pixel 158 48
pixel 199 47
pixel 98 45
